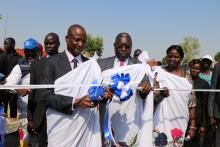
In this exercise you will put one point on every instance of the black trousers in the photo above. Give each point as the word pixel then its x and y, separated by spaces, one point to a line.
pixel 12 140
pixel 11 100
pixel 217 135
pixel 40 139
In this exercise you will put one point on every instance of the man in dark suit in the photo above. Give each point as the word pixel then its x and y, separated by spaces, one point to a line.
pixel 8 60
pixel 58 66
pixel 36 111
pixel 123 47
pixel 214 103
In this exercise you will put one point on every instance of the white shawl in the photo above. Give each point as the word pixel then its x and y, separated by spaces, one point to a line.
pixel 81 129
pixel 172 112
pixel 126 116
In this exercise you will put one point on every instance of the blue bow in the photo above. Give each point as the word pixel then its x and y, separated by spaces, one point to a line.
pixel 122 90
pixel 96 92
pixel 121 87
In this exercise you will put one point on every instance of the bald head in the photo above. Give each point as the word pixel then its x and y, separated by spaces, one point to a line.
pixel 75 27
pixel 123 34
pixel 54 36
pixel 76 39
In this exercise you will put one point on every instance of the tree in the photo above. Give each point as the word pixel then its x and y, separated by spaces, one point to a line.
pixel 164 62
pixel 217 57
pixel 94 45
pixel 0 16
pixel 190 47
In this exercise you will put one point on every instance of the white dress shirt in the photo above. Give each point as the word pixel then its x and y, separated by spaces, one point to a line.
pixel 118 62
pixel 15 78
pixel 71 57
pixel 79 61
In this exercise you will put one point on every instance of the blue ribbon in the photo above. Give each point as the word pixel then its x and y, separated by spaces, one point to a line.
pixel 121 79
pixel 2 127
pixel 96 92
pixel 107 133
pixel 121 90
pixel 119 86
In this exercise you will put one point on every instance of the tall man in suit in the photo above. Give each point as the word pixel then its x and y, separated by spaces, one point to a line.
pixel 214 103
pixel 61 64
pixel 36 111
pixel 123 47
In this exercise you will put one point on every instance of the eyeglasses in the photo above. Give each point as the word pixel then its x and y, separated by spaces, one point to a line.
pixel 123 45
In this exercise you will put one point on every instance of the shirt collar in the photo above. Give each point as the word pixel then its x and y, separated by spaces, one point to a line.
pixel 125 61
pixel 117 62
pixel 71 57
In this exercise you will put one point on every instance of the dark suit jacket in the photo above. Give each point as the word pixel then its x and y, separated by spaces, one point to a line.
pixel 108 63
pixel 36 111
pixel 56 67
pixel 214 97
pixel 7 63
pixel 201 102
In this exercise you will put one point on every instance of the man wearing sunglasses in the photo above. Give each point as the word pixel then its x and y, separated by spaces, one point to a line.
pixel 123 48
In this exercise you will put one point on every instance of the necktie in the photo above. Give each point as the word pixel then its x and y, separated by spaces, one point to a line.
pixel 121 63
pixel 74 63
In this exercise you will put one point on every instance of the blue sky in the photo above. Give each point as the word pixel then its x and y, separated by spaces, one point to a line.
pixel 154 25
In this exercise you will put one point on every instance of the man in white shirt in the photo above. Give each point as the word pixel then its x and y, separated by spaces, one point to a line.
pixel 20 74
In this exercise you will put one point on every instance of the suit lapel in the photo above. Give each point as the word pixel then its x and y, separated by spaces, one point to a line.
pixel 110 63
pixel 65 62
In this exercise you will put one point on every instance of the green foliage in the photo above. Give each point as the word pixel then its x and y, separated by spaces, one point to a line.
pixel 94 44
pixel 0 16
pixel 164 62
pixel 217 57
pixel 190 47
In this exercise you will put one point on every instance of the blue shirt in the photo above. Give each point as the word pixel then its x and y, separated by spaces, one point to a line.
pixel 206 77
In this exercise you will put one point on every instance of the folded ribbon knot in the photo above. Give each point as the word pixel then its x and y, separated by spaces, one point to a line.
pixel 121 86
pixel 96 92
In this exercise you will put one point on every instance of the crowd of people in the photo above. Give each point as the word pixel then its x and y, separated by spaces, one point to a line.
pixel 164 98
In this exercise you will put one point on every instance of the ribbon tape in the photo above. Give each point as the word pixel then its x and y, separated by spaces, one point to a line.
pixel 89 85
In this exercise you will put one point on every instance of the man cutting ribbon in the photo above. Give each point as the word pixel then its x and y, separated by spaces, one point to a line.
pixel 72 118
pixel 125 117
